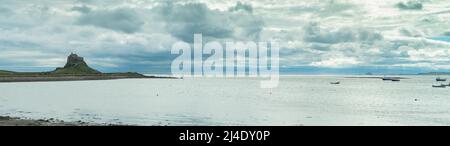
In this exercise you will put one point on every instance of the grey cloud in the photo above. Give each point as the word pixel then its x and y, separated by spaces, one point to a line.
pixel 4 45
pixel 314 33
pixel 5 10
pixel 326 9
pixel 122 20
pixel 85 1
pixel 241 7
pixel 183 20
pixel 82 9
pixel 410 32
pixel 334 8
pixel 320 46
pixel 447 33
pixel 410 5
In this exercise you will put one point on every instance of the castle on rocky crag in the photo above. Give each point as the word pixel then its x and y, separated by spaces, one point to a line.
pixel 74 60
pixel 75 65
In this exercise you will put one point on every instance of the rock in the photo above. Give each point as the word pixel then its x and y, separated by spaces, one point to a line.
pixel 75 65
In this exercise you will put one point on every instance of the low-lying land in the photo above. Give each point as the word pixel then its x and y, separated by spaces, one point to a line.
pixel 378 77
pixel 75 69
pixel 38 77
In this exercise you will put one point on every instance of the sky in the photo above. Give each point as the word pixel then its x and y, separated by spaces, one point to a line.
pixel 316 36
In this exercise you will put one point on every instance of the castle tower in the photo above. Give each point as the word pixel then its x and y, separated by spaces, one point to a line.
pixel 74 60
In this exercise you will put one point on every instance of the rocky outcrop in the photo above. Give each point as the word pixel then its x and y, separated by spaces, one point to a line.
pixel 75 65
pixel 74 60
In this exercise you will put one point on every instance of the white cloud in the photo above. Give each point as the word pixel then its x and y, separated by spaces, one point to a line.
pixel 336 62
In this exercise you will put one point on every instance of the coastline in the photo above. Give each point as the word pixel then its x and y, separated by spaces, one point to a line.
pixel 44 78
pixel 354 77
pixel 13 121
pixel 76 69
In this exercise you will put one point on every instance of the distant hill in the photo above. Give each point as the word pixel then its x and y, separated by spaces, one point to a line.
pixel 75 65
pixel 435 73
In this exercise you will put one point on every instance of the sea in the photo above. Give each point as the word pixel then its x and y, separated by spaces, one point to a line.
pixel 299 100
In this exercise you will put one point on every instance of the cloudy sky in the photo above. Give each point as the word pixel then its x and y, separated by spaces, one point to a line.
pixel 317 36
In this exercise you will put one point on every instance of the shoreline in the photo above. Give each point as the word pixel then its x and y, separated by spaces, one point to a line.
pixel 11 79
pixel 14 121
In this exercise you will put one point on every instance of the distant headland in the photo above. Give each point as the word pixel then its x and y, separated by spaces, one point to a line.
pixel 435 73
pixel 75 69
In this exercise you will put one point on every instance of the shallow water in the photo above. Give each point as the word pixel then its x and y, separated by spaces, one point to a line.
pixel 299 100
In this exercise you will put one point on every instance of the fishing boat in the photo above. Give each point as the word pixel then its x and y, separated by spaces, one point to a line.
pixel 335 83
pixel 395 80
pixel 439 79
pixel 386 78
pixel 439 86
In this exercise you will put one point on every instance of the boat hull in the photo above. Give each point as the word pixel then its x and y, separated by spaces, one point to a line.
pixel 439 86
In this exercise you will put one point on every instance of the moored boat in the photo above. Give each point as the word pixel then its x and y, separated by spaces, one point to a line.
pixel 338 82
pixel 386 79
pixel 439 86
pixel 439 79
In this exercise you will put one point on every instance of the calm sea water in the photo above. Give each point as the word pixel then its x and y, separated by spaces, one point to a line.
pixel 299 100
